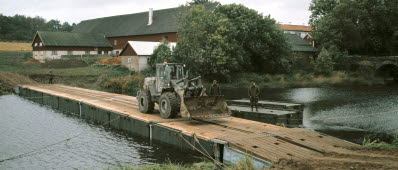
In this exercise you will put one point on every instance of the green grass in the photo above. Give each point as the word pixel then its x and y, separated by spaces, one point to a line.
pixel 13 57
pixel 377 144
pixel 245 164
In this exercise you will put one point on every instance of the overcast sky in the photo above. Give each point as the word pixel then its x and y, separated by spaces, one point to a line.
pixel 74 11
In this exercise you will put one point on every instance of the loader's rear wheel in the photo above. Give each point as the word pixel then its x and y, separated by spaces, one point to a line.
pixel 168 105
pixel 145 103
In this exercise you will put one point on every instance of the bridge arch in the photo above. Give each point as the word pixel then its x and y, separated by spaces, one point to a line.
pixel 387 69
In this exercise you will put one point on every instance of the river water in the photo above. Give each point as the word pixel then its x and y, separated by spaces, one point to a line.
pixel 346 110
pixel 26 126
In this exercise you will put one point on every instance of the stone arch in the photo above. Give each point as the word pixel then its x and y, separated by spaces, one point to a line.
pixel 387 69
pixel 385 63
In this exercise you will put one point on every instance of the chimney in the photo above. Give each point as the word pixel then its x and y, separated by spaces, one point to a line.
pixel 150 16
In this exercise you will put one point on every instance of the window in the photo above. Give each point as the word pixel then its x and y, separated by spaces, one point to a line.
pixel 53 52
pixel 40 44
pixel 129 60
pixel 99 52
pixel 115 42
pixel 117 53
pixel 105 52
pixel 35 44
pixel 87 52
pixel 70 52
pixel 166 37
pixel 148 59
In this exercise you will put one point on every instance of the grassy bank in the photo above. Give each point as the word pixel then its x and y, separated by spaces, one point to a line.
pixel 377 144
pixel 302 80
pixel 245 164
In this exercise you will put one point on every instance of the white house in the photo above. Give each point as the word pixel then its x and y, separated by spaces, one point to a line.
pixel 136 54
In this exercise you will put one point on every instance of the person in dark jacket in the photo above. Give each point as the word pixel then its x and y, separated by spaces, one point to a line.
pixel 215 89
pixel 254 93
pixel 50 77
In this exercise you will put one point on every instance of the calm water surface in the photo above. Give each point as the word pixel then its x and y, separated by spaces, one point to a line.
pixel 25 126
pixel 339 103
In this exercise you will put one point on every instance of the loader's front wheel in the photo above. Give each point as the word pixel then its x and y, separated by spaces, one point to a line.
pixel 168 105
pixel 145 103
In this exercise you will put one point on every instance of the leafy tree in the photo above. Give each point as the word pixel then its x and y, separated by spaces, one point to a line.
pixel 232 38
pixel 199 2
pixel 66 27
pixel 357 26
pixel 52 25
pixel 22 28
pixel 324 62
pixel 161 53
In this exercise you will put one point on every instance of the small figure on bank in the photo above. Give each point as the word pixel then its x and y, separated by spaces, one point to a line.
pixel 215 89
pixel 50 77
pixel 254 93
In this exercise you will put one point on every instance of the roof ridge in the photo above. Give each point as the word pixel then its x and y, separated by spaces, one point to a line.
pixel 164 9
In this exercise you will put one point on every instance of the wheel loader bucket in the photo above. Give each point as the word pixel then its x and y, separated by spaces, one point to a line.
pixel 204 107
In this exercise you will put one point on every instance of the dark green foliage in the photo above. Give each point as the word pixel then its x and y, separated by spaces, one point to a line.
pixel 324 62
pixel 162 52
pixel 231 39
pixel 368 27
pixel 23 28
pixel 199 2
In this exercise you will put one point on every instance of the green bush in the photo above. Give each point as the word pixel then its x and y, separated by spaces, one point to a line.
pixel 125 84
pixel 324 63
pixel 161 53
pixel 297 63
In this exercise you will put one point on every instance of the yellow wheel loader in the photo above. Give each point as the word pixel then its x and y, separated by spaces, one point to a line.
pixel 175 93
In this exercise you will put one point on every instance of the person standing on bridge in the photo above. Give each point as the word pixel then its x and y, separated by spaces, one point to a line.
pixel 215 89
pixel 254 93
pixel 50 77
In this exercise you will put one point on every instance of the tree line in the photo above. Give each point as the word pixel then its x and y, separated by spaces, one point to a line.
pixel 23 28
pixel 364 27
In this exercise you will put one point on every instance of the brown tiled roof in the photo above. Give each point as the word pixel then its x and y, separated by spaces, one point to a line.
pixel 295 27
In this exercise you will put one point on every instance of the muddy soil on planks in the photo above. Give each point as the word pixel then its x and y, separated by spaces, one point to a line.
pixel 362 159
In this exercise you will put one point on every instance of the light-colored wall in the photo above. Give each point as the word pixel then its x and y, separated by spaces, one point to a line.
pixel 137 63
pixel 114 51
pixel 302 34
pixel 43 56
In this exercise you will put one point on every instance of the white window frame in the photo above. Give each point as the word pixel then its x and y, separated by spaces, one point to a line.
pixel 35 44
pixel 40 44
pixel 114 42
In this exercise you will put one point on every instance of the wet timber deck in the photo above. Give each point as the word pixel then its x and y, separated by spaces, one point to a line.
pixel 265 141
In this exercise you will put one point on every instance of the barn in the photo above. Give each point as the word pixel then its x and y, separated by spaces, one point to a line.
pixel 53 45
pixel 110 34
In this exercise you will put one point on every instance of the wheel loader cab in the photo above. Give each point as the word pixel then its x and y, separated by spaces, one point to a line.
pixel 167 72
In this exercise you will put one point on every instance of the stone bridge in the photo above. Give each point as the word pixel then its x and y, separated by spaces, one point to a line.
pixel 386 66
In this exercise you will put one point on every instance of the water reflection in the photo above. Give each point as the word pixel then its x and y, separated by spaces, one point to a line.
pixel 26 126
